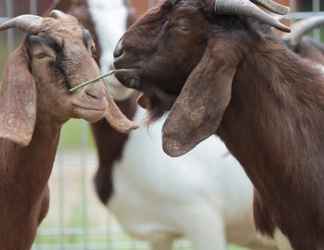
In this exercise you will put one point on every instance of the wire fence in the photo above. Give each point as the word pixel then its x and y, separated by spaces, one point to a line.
pixel 77 220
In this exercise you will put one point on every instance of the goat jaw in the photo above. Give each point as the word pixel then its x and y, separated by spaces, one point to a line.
pixel 117 119
pixel 144 102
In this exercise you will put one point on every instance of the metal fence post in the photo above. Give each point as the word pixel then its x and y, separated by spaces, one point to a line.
pixel 317 8
pixel 33 6
pixel 11 33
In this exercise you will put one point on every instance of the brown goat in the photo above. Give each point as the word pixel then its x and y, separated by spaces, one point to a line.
pixel 227 74
pixel 104 134
pixel 35 102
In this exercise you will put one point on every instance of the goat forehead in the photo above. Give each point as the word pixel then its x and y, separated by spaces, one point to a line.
pixel 182 3
pixel 66 28
pixel 162 13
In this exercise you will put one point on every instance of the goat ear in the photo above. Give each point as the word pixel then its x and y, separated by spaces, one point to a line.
pixel 17 100
pixel 198 111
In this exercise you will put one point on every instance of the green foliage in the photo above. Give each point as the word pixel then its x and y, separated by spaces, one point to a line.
pixel 76 134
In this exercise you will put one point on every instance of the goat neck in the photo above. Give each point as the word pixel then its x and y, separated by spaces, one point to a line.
pixel 26 168
pixel 273 125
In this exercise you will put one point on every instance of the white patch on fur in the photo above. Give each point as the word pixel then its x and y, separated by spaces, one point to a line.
pixel 319 67
pixel 110 19
pixel 156 196
pixel 282 241
pixel 266 240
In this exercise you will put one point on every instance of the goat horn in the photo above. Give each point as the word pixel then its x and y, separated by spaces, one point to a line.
pixel 301 28
pixel 246 8
pixel 272 6
pixel 27 23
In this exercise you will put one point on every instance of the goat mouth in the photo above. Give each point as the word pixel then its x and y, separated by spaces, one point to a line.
pixel 156 103
pixel 153 98
pixel 130 78
pixel 89 113
pixel 95 109
pixel 99 105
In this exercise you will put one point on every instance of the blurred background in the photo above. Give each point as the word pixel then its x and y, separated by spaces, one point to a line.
pixel 77 220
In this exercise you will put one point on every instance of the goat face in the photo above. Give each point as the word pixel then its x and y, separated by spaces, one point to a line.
pixel 155 50
pixel 107 21
pixel 60 58
pixel 184 51
pixel 55 56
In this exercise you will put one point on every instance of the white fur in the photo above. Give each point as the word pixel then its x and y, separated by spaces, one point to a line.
pixel 110 19
pixel 282 241
pixel 204 196
pixel 319 67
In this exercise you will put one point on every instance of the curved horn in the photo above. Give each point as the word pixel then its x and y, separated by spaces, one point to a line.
pixel 27 23
pixel 272 6
pixel 301 28
pixel 246 8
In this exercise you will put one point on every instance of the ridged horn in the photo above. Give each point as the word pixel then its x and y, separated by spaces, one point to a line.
pixel 247 8
pixel 27 23
pixel 272 6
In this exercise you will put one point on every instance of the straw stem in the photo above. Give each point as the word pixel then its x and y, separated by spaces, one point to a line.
pixel 82 85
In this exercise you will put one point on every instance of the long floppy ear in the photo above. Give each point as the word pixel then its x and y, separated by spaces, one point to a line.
pixel 17 100
pixel 198 111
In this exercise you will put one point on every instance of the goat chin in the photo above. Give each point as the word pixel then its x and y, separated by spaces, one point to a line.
pixel 118 91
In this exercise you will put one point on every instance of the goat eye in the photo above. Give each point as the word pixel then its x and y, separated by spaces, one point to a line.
pixel 183 25
pixel 41 55
pixel 93 49
pixel 183 28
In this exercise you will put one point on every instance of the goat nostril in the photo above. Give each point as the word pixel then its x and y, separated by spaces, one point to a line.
pixel 119 50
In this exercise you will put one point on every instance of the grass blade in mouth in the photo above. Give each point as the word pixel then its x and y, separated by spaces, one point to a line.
pixel 84 84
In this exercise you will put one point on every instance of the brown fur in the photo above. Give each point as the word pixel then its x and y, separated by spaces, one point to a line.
pixel 35 103
pixel 79 9
pixel 235 79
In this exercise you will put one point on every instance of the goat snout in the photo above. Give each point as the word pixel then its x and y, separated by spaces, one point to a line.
pixel 95 92
pixel 119 50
